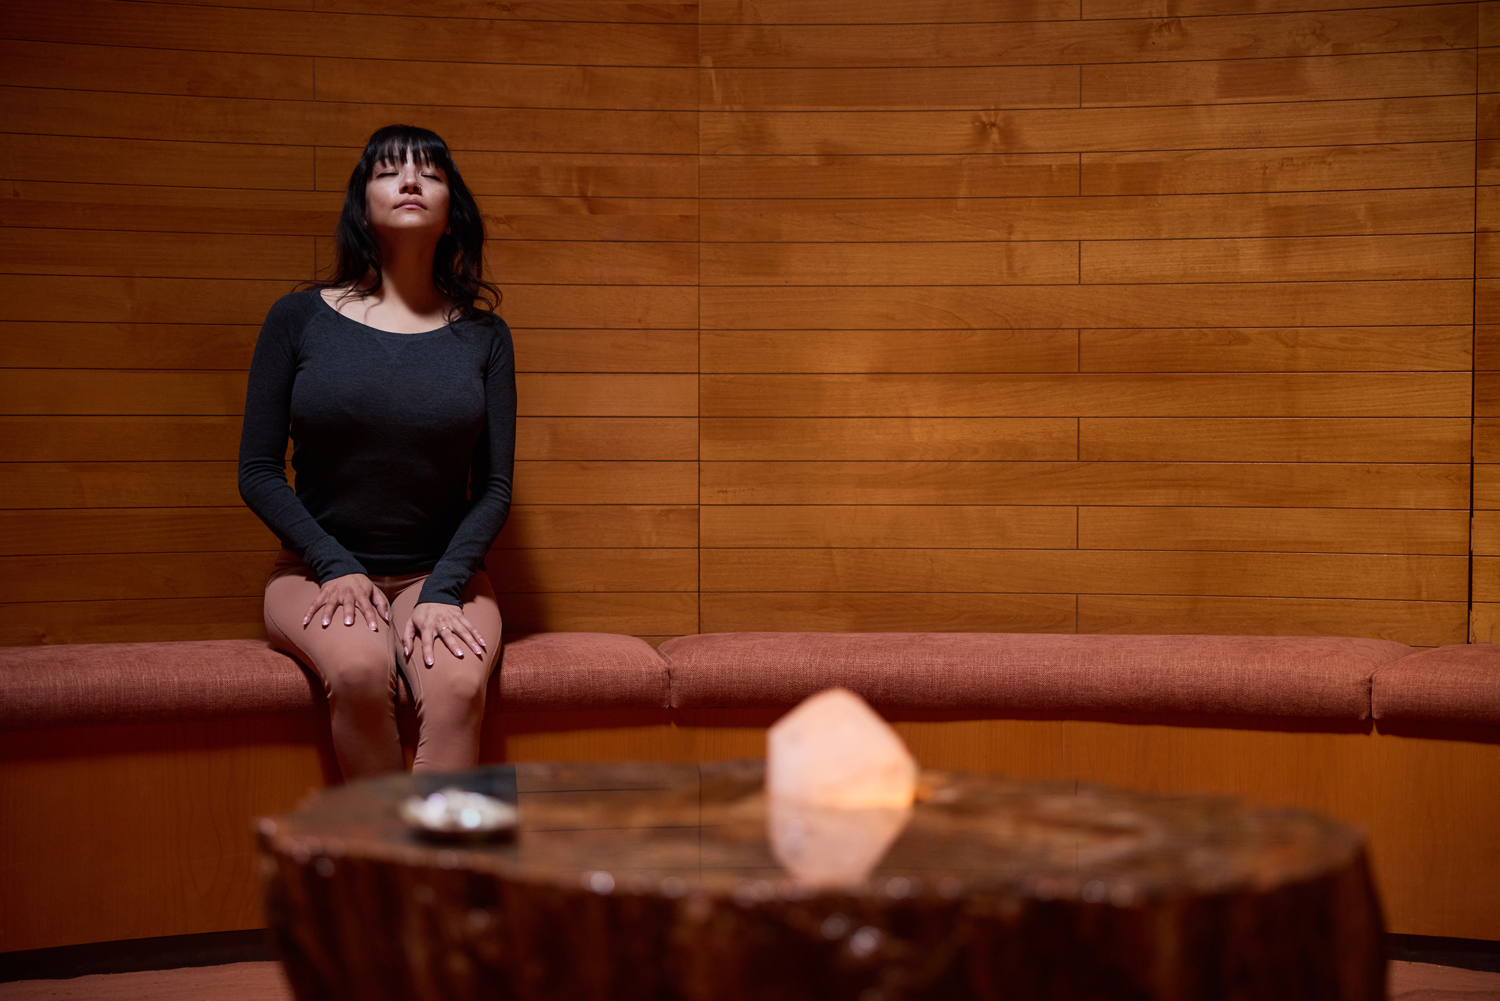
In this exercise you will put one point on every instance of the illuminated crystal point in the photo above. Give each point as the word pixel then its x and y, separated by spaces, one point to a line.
pixel 834 751
pixel 828 847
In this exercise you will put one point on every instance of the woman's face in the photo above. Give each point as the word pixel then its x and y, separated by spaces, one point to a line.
pixel 406 199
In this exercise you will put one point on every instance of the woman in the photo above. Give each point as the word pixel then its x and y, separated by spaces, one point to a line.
pixel 396 381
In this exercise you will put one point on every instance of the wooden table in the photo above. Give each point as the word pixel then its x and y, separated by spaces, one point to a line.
pixel 658 881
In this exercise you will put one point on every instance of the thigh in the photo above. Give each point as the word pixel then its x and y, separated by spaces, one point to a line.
pixel 479 607
pixel 330 650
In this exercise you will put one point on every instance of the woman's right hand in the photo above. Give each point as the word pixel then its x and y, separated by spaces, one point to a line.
pixel 356 594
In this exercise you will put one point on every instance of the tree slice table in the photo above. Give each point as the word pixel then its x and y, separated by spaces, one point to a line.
pixel 659 881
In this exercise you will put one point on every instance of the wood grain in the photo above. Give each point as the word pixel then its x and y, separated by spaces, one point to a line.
pixel 118 484
pixel 460 39
pixel 487 85
pixel 881 11
pixel 634 613
pixel 1310 168
pixel 1278 349
pixel 1283 575
pixel 606 438
pixel 1034 263
pixel 917 526
pixel 1288 394
pixel 1153 484
pixel 178 346
pixel 602 306
pixel 115 438
pixel 934 175
pixel 550 262
pixel 1321 78
pixel 1275 440
pixel 121 391
pixel 856 612
pixel 118 70
pixel 600 526
pixel 1086 42
pixel 310 123
pixel 1200 8
pixel 1421 623
pixel 132 620
pixel 1209 304
pixel 1100 217
pixel 599 482
pixel 1204 126
pixel 98 160
pixel 1272 529
pixel 518 571
pixel 1338 258
pixel 595 351
pixel 529 10
pixel 791 439
pixel 77 252
pixel 805 351
pixel 606 395
pixel 82 531
pixel 889 89
pixel 117 577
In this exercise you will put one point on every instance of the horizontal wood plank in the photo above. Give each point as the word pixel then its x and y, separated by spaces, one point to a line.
pixel 933 175
pixel 1487 439
pixel 201 530
pixel 52 438
pixel 813 438
pixel 1485 538
pixel 1267 529
pixel 600 526
pixel 459 39
pixel 640 613
pixel 522 571
pixel 1391 29
pixel 1213 126
pixel 96 160
pixel 889 89
pixel 865 612
pixel 602 306
pixel 607 438
pixel 115 69
pixel 1199 8
pixel 1102 217
pixel 1487 255
pixel 544 350
pixel 131 620
pixel 882 11
pixel 930 526
pixel 1330 258
pixel 616 394
pixel 1278 349
pixel 554 262
pixel 1031 263
pixel 1209 304
pixel 1000 571
pixel 1300 78
pixel 903 351
pixel 183 347
pixel 1346 394
pixel 154 255
pixel 1207 484
pixel 1419 623
pixel 1307 168
pixel 310 123
pixel 599 482
pixel 1486 486
pixel 608 11
pixel 1486 579
pixel 1396 439
pixel 125 392
pixel 487 85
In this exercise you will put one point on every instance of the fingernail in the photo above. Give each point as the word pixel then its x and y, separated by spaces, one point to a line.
pixel 325 620
pixel 348 620
pixel 372 627
pixel 458 653
pixel 429 661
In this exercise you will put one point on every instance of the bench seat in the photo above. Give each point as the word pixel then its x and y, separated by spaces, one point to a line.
pixel 1449 683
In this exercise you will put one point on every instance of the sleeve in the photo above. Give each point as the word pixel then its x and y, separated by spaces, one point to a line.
pixel 490 475
pixel 268 416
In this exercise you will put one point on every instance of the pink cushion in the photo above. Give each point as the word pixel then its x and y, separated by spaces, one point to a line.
pixel 1449 683
pixel 1249 675
pixel 578 671
pixel 80 683
pixel 84 683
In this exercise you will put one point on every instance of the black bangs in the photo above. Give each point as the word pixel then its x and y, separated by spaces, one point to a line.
pixel 394 143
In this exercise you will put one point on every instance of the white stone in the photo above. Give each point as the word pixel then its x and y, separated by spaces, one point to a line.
pixel 826 846
pixel 834 751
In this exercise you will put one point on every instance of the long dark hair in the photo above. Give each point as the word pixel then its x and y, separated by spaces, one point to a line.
pixel 458 262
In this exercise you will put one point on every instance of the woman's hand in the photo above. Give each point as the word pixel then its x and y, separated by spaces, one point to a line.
pixel 356 594
pixel 433 620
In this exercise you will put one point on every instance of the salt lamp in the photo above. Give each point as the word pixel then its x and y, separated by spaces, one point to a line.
pixel 834 751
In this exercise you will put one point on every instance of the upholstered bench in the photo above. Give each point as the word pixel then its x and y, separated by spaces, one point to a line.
pixel 1448 684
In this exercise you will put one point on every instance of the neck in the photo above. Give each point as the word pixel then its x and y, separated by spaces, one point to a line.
pixel 406 276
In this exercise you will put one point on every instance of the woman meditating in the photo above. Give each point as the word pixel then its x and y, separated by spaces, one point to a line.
pixel 396 382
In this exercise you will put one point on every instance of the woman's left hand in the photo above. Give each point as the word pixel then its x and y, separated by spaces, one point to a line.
pixel 433 621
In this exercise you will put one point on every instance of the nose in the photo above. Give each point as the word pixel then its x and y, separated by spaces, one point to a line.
pixel 411 178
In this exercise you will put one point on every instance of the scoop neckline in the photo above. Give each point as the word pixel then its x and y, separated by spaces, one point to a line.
pixel 379 330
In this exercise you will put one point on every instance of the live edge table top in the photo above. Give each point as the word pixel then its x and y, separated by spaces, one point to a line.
pixel 661 880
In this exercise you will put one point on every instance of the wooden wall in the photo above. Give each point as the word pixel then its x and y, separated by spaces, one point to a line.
pixel 1052 315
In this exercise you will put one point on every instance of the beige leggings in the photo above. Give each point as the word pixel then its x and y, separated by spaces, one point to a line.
pixel 358 668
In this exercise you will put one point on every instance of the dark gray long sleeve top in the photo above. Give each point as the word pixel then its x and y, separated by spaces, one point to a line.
pixel 403 444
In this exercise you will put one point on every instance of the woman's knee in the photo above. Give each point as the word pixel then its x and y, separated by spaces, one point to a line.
pixel 458 693
pixel 359 675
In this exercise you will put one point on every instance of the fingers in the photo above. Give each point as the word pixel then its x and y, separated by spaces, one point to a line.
pixel 407 635
pixel 318 603
pixel 426 637
pixel 382 605
pixel 367 610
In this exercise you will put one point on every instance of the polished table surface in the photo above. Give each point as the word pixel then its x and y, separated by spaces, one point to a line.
pixel 677 881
